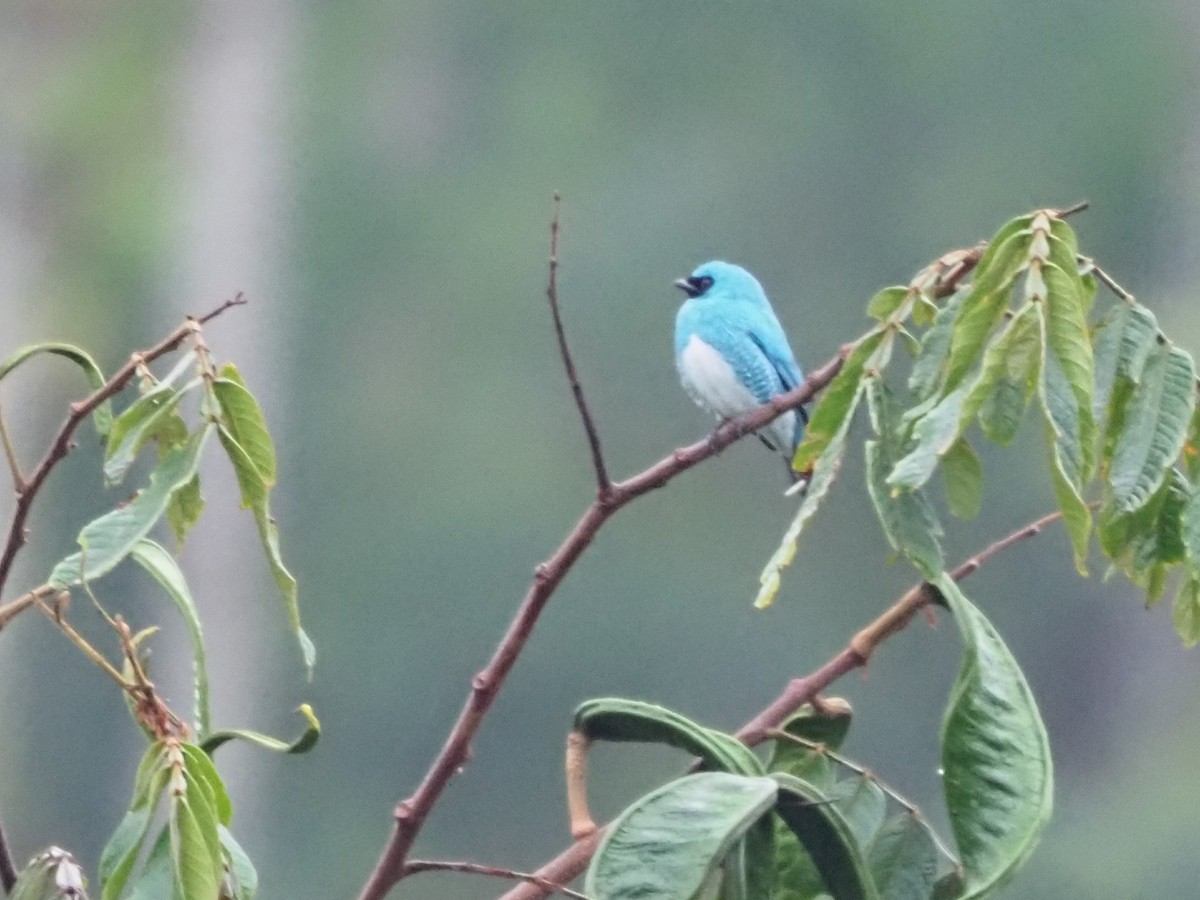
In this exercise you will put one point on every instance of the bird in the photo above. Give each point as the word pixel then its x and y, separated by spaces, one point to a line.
pixel 732 354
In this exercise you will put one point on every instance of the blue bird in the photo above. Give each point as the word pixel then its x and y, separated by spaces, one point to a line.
pixel 731 352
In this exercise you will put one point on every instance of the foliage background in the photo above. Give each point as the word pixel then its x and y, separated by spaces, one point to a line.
pixel 376 177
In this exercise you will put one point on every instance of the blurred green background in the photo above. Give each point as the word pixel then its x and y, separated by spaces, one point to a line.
pixel 377 178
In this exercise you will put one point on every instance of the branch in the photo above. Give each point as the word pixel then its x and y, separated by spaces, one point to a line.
pixel 603 484
pixel 8 868
pixel 572 861
pixel 61 445
pixel 421 865
pixel 410 814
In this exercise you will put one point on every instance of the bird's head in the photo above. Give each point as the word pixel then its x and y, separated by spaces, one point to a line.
pixel 721 279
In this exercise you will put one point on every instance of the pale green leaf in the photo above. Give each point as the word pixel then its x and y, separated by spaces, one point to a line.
pixel 102 417
pixel 934 434
pixel 244 420
pixel 107 540
pixel 1008 377
pixel 964 480
pixel 903 859
pixel 304 742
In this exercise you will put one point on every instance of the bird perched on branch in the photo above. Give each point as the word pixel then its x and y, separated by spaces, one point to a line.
pixel 731 352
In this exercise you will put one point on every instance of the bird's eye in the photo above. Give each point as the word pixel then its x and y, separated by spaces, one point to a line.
pixel 704 282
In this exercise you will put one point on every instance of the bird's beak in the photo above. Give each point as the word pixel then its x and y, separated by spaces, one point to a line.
pixel 687 287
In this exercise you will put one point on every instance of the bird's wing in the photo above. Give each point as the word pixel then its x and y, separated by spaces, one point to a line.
pixel 779 355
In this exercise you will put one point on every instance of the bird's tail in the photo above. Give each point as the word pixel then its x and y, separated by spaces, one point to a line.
pixel 800 482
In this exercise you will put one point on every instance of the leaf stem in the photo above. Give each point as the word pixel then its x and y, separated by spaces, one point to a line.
pixel 10 454
pixel 423 865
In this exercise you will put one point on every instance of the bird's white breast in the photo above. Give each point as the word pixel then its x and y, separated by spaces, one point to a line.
pixel 711 380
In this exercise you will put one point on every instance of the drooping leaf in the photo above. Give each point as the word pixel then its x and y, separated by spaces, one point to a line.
pixel 929 367
pixel 964 480
pixel 863 803
pixel 827 839
pixel 824 473
pixel 985 305
pixel 668 843
pixel 197 869
pixel 159 563
pixel 1144 544
pixel 106 541
pixel 903 859
pixel 244 420
pixel 1155 427
pixel 621 720
pixel 184 508
pixel 1008 377
pixel 998 775
pixel 254 490
pixel 102 417
pixel 836 403
pixel 908 520
pixel 1068 345
pixel 933 434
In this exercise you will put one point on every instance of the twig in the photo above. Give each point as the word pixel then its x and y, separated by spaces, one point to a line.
pixel 410 814
pixel 574 859
pixel 778 734
pixel 61 445
pixel 1071 210
pixel 11 455
pixel 423 865
pixel 14 607
pixel 1107 280
pixel 8 868
pixel 603 484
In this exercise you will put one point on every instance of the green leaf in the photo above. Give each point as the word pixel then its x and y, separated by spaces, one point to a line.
pixel 984 306
pixel 122 850
pixel 1155 429
pixel 924 310
pixel 159 563
pixel 109 539
pixel 254 489
pixel 1185 611
pixel 1069 345
pixel 668 843
pixel 144 421
pixel 302 744
pixel 241 878
pixel 1008 377
pixel 884 305
pixel 826 837
pixel 1064 442
pixel 836 404
pixel 907 518
pixel 620 720
pixel 934 433
pixel 1146 542
pixel 199 766
pixel 185 507
pixel 929 367
pixel 245 422
pixel 998 775
pixel 903 859
pixel 197 870
pixel 102 417
pixel 156 880
pixel 964 480
pixel 863 803
pixel 827 727
pixel 824 473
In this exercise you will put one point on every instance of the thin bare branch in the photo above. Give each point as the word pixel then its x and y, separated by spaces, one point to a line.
pixel 61 445
pixel 423 865
pixel 574 859
pixel 1071 210
pixel 603 484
